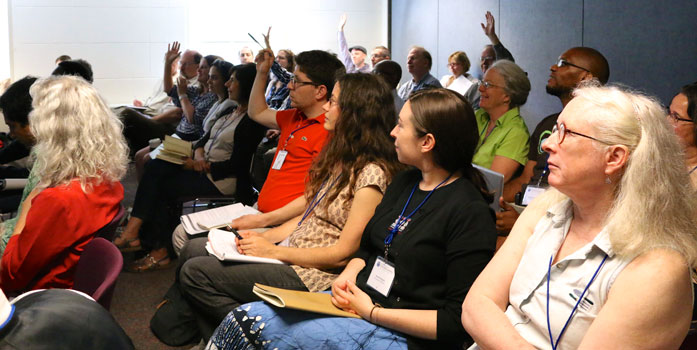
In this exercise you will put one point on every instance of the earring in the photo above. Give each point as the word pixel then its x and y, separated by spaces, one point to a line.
pixel 607 179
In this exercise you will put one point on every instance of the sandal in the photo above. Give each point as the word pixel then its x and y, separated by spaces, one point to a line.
pixel 148 263
pixel 125 246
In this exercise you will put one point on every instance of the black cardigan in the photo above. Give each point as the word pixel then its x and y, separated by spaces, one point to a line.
pixel 248 134
pixel 437 257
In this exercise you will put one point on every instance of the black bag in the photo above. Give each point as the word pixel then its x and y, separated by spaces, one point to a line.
pixel 174 323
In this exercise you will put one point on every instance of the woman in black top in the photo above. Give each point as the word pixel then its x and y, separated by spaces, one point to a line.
pixel 220 166
pixel 446 237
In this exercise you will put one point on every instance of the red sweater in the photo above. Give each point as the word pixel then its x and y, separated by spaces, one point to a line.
pixel 60 222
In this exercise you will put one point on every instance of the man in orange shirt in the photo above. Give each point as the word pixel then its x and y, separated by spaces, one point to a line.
pixel 282 197
pixel 302 134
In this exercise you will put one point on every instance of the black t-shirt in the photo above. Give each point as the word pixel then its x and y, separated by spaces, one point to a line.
pixel 437 256
pixel 541 133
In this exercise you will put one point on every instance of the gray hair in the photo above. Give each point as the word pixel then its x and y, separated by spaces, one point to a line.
pixel 517 83
pixel 78 137
pixel 655 205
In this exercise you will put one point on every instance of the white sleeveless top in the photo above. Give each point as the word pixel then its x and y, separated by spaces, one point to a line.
pixel 569 277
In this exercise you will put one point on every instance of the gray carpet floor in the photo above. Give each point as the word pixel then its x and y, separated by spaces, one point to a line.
pixel 137 295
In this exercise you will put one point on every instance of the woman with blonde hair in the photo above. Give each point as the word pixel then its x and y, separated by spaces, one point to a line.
pixel 80 157
pixel 602 259
pixel 459 80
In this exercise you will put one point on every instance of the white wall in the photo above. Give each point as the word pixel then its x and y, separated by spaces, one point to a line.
pixel 4 41
pixel 125 40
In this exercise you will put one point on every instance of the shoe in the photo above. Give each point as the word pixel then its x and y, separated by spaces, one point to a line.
pixel 125 246
pixel 148 263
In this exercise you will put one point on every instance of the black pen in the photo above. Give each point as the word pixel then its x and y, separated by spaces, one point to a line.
pixel 255 40
pixel 237 234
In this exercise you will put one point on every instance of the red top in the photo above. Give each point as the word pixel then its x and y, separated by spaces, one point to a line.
pixel 283 186
pixel 59 224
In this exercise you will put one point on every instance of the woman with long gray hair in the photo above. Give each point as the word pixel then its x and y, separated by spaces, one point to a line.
pixel 601 260
pixel 80 157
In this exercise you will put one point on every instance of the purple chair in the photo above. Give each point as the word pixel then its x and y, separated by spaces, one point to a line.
pixel 97 270
pixel 107 232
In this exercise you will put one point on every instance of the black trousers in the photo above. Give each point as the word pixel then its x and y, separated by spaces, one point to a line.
pixel 156 200
pixel 213 287
pixel 139 128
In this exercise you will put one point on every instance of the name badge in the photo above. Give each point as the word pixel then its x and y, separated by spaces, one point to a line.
pixel 382 276
pixel 531 192
pixel 280 158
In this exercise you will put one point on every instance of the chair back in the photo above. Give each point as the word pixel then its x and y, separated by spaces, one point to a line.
pixel 109 230
pixel 97 270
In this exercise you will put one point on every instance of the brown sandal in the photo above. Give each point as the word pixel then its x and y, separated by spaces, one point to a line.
pixel 148 263
pixel 125 246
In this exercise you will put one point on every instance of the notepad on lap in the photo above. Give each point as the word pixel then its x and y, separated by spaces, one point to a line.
pixel 221 244
pixel 206 220
pixel 294 299
pixel 175 150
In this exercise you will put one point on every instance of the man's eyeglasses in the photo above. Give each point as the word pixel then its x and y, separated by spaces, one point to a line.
pixel 561 131
pixel 562 62
pixel 488 85
pixel 487 58
pixel 676 118
pixel 298 83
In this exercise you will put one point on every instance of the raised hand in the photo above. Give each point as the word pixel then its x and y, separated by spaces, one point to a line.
pixel 172 52
pixel 264 60
pixel 490 28
pixel 342 22
pixel 267 41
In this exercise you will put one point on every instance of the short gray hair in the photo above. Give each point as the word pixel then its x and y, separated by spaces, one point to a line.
pixel 517 82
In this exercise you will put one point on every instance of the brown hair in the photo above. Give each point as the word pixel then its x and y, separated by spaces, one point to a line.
pixel 361 135
pixel 461 58
pixel 450 119
pixel 290 57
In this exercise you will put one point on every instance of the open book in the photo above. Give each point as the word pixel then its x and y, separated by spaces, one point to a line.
pixel 306 301
pixel 221 244
pixel 175 150
pixel 206 220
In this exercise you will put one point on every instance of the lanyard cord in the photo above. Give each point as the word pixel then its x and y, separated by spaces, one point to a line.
pixel 542 175
pixel 402 219
pixel 315 201
pixel 312 122
pixel 692 171
pixel 549 327
pixel 215 137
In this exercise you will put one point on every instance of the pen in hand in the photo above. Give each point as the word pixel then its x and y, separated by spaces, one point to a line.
pixel 237 234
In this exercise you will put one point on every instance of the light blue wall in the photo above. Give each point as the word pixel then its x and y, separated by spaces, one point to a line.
pixel 651 46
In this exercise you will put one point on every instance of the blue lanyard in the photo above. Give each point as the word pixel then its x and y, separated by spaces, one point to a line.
pixel 692 171
pixel 315 201
pixel 402 219
pixel 312 122
pixel 549 327
pixel 542 175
